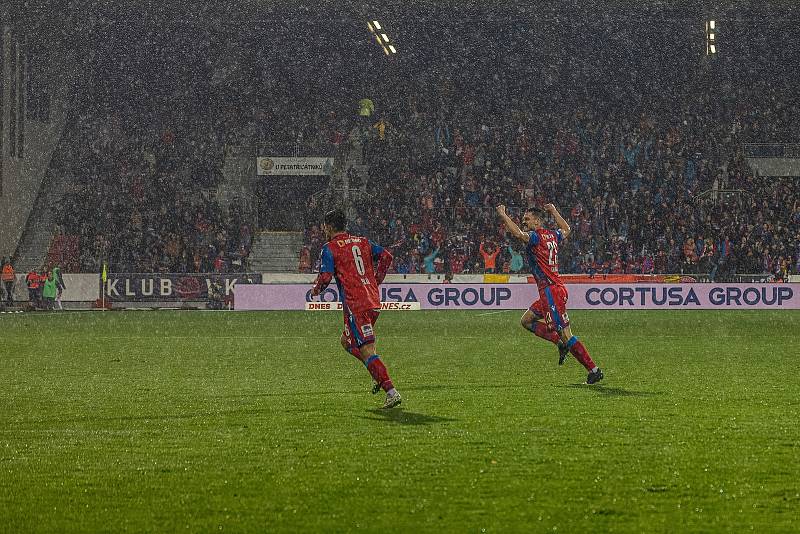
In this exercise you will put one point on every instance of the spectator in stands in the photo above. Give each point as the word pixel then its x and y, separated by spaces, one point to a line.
pixel 648 264
pixel 219 262
pixel 690 256
pixel 305 260
pixel 660 262
pixel 489 251
pixel 517 263
pixel 456 261
pixel 428 261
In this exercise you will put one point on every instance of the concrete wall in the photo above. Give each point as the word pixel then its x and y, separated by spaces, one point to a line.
pixel 789 167
pixel 79 288
pixel 22 177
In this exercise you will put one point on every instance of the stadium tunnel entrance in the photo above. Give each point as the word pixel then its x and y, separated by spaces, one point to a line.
pixel 283 201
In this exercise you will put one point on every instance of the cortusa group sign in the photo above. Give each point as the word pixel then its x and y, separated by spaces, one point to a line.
pixel 694 296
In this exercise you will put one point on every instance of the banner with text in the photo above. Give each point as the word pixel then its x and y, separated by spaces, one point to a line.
pixel 294 166
pixel 165 287
pixel 520 296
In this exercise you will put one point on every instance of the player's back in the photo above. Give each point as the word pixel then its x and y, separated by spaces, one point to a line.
pixel 353 267
pixel 542 253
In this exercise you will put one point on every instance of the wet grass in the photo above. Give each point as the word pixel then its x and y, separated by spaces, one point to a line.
pixel 246 422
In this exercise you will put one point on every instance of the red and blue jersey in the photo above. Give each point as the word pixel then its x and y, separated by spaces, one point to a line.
pixel 542 253
pixel 351 259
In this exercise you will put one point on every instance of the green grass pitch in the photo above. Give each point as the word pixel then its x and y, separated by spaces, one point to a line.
pixel 259 422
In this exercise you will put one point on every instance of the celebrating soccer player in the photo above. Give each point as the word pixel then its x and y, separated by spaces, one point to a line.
pixel 547 317
pixel 351 259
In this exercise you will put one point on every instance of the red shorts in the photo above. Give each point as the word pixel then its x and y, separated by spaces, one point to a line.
pixel 552 306
pixel 359 327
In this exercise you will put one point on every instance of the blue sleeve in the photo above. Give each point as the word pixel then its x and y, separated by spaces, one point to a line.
pixel 559 236
pixel 326 264
pixel 534 240
pixel 377 250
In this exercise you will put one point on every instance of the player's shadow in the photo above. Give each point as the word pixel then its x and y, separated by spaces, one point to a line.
pixel 612 392
pixel 401 417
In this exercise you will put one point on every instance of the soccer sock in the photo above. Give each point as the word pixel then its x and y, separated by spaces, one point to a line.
pixel 378 371
pixel 577 349
pixel 543 331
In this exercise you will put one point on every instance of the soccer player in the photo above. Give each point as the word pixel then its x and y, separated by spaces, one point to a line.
pixel 547 317
pixel 351 259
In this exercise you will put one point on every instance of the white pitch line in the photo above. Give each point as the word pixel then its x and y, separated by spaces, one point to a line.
pixel 257 337
pixel 493 312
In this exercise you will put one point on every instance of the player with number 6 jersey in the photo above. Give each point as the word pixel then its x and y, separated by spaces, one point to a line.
pixel 547 317
pixel 359 266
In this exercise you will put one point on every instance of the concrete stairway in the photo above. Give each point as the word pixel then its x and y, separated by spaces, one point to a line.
pixel 39 230
pixel 276 252
pixel 237 186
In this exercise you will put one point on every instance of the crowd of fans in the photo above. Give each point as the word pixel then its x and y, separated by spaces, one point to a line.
pixel 141 158
pixel 648 169
pixel 144 200
pixel 659 187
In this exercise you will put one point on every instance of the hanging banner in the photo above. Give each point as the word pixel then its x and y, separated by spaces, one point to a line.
pixel 311 166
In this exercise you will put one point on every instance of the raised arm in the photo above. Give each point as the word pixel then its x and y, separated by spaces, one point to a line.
pixel 562 224
pixel 511 226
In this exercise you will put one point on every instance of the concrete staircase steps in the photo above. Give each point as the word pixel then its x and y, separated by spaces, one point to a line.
pixel 276 252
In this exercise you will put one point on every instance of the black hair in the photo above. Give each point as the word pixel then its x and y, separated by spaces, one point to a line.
pixel 539 212
pixel 335 219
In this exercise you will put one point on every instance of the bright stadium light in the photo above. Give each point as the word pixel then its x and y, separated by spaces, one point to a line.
pixel 382 37
pixel 711 38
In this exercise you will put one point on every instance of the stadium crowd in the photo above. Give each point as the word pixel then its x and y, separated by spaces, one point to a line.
pixel 141 161
pixel 661 187
pixel 649 169
pixel 143 201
